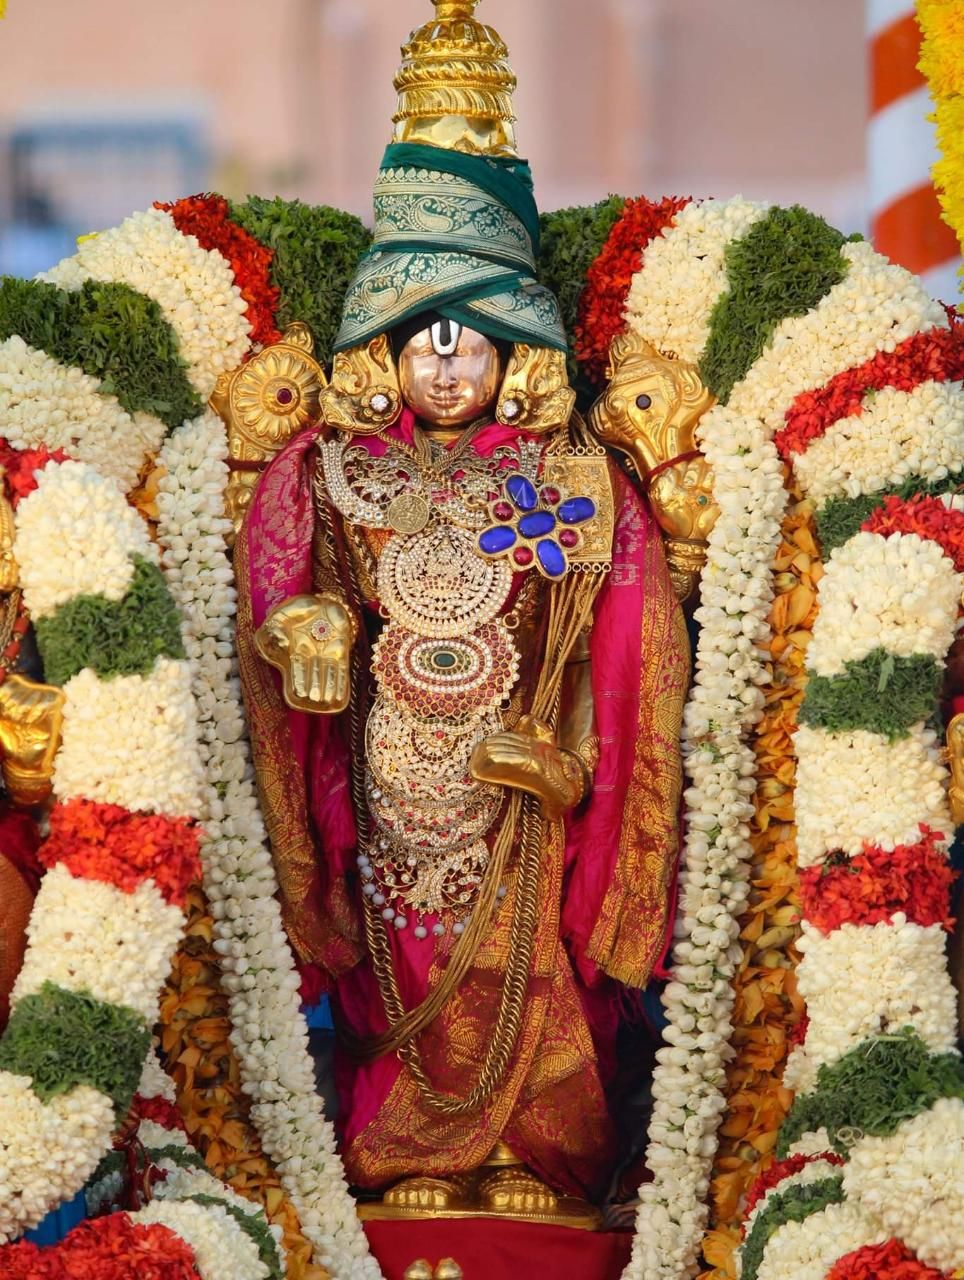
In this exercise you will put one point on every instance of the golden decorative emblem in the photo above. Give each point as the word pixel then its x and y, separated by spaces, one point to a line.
pixel 535 395
pixel 587 474
pixel 263 404
pixel 364 396
pixel 409 513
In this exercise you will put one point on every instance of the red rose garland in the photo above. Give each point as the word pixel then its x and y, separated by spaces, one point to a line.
pixel 159 1111
pixel 206 217
pixel 780 1171
pixel 925 516
pixel 890 1261
pixel 874 885
pixel 602 307
pixel 112 1248
pixel 934 356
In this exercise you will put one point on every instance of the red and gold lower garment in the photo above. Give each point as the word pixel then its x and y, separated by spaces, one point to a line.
pixel 605 879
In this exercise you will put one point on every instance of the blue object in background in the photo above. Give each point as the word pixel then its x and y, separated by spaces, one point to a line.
pixel 59 1221
pixel 318 1016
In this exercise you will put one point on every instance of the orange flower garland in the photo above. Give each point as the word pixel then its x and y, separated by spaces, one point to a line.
pixel 196 1051
pixel 768 1006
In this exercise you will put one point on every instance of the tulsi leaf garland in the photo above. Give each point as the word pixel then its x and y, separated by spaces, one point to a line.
pixel 782 267
pixel 316 249
pixel 872 1089
pixel 110 331
pixel 793 1205
pixel 114 639
pixel 65 1038
pixel 884 693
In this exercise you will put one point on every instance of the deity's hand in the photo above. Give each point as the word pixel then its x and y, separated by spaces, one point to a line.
pixel 31 717
pixel 309 639
pixel 527 759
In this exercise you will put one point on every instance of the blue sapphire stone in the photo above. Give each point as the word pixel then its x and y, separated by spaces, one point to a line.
pixel 551 557
pixel 576 510
pixel 522 492
pixel 497 539
pixel 537 525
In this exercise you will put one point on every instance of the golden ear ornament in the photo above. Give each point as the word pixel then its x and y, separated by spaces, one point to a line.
pixel 364 396
pixel 263 404
pixel 535 395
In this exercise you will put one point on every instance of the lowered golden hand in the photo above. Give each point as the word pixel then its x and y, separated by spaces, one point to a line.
pixel 309 639
pixel 649 412
pixel 527 759
pixel 31 717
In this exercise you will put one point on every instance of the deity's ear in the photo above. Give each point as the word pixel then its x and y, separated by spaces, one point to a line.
pixel 536 395
pixel 364 395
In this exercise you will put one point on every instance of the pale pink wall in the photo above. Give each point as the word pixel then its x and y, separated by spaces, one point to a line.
pixel 698 96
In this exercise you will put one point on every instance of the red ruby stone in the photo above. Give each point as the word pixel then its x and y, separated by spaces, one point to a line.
pixel 550 495
pixel 285 395
pixel 568 537
pixel 523 556
pixel 503 511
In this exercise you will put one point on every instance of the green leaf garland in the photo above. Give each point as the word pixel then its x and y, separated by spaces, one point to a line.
pixel 782 267
pixel 114 638
pixel 316 250
pixel 110 331
pixel 62 1039
pixel 797 1203
pixel 883 693
pixel 873 1089
pixel 839 519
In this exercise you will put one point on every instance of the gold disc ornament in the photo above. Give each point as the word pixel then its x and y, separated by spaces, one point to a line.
pixel 409 513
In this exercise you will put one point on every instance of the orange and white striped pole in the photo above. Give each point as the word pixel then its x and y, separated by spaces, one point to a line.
pixel 906 222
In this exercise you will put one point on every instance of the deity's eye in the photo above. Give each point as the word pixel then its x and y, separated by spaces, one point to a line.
pixel 643 401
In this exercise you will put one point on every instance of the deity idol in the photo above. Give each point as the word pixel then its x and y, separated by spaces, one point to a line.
pixel 464 665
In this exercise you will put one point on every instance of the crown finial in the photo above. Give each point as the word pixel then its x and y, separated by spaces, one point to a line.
pixel 455 84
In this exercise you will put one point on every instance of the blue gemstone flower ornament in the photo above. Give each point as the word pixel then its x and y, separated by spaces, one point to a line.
pixel 535 527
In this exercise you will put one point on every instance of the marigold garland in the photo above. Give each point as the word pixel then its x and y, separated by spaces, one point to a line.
pixel 768 1007
pixel 105 1249
pixel 198 1055
pixel 872 887
pixel 936 355
pixel 942 62
pixel 109 843
pixel 890 1261
pixel 207 218
pixel 602 307
pixel 927 517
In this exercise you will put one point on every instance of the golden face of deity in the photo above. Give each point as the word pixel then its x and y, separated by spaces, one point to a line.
pixel 449 375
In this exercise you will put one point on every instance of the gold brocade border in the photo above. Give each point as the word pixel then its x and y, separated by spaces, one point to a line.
pixel 768 1005
pixel 196 1052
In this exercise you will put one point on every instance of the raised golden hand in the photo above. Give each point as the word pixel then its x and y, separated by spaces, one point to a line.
pixel 526 758
pixel 31 719
pixel 309 639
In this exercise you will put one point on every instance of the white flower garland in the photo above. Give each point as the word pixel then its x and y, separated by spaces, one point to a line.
pixel 44 402
pixel 815 1171
pixel 89 936
pixel 194 287
pixel 807 1250
pixel 47 1150
pixel 75 536
pixel 897 435
pixel 132 741
pixel 269 1032
pixel 911 1181
pixel 222 1250
pixel 898 593
pixel 856 788
pixel 894 976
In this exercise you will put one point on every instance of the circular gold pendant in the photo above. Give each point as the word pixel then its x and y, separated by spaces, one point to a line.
pixel 409 513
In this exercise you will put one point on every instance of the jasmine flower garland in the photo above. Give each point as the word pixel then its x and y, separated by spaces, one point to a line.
pixel 807 1250
pixel 791 1204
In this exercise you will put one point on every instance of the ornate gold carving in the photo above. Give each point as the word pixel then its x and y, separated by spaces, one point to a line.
pixel 455 86
pixel 535 395
pixel 31 721
pixel 309 639
pixel 587 475
pixel 650 411
pixel 955 757
pixel 263 404
pixel 364 396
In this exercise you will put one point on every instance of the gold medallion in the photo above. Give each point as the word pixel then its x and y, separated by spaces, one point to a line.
pixel 409 513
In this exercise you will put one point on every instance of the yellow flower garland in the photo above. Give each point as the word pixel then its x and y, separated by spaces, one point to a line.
pixel 942 63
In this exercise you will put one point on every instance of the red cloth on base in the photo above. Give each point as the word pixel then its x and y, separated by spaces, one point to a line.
pixel 487 1249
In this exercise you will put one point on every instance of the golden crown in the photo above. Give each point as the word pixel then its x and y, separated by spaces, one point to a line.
pixel 455 84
